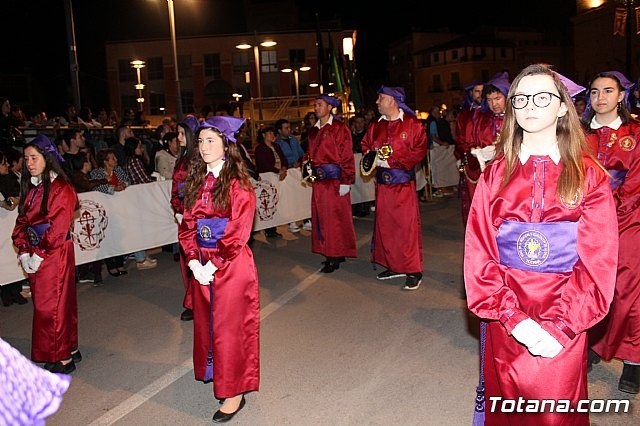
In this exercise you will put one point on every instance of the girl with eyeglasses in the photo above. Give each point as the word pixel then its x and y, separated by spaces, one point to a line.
pixel 539 244
pixel 613 135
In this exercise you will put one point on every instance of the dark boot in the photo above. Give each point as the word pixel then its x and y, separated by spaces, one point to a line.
pixel 592 359
pixel 630 379
pixel 330 265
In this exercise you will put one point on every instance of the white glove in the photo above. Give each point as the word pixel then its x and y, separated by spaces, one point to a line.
pixel 34 262
pixel 344 190
pixel 24 261
pixel 382 163
pixel 201 273
pixel 179 218
pixel 527 332
pixel 548 347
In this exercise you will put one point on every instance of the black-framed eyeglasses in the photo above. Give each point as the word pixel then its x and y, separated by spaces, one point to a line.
pixel 541 100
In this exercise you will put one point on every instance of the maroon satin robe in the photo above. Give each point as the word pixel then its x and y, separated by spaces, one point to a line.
pixel 564 304
pixel 618 150
pixel 332 234
pixel 466 139
pixel 397 235
pixel 177 204
pixel 53 286
pixel 236 304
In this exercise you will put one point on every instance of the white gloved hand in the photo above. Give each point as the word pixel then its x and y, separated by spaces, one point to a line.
pixel 382 163
pixel 200 273
pixel 210 268
pixel 344 190
pixel 24 261
pixel 548 347
pixel 179 218
pixel 34 262
pixel 527 332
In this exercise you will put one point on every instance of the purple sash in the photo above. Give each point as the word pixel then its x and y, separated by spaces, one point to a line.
pixel 210 230
pixel 539 247
pixel 327 171
pixel 180 191
pixel 387 176
pixel 617 178
pixel 36 232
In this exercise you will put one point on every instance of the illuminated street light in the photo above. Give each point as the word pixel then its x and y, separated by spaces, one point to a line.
pixel 172 28
pixel 256 59
pixel 138 65
pixel 295 70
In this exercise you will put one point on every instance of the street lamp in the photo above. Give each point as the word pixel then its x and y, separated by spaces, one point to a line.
pixel 295 70
pixel 256 60
pixel 172 27
pixel 138 65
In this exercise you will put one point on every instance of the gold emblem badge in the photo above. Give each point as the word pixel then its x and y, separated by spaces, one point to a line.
pixel 612 139
pixel 403 135
pixel 574 202
pixel 384 152
pixel 627 143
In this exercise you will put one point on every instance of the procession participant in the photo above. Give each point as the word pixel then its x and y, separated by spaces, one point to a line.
pixel 466 139
pixel 539 245
pixel 186 131
pixel 45 249
pixel 401 143
pixel 331 154
pixel 219 206
pixel 489 121
pixel 614 135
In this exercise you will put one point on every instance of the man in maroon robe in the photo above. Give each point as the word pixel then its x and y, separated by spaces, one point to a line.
pixel 331 154
pixel 401 143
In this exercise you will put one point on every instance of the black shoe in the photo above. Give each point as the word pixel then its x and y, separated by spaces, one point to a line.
pixel 630 379
pixel 59 367
pixel 221 417
pixel 592 359
pixel 272 234
pixel 329 267
pixel 7 300
pixel 89 277
pixel 116 272
pixel 186 315
pixel 387 275
pixel 76 356
pixel 412 282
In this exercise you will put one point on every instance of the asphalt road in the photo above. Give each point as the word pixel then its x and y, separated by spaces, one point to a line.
pixel 338 349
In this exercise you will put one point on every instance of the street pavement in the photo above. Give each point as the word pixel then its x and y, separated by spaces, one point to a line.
pixel 336 349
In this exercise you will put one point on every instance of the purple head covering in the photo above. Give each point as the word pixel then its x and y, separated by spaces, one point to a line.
pixel 501 82
pixel 45 145
pixel 624 81
pixel 473 84
pixel 330 100
pixel 397 93
pixel 191 122
pixel 573 88
pixel 225 124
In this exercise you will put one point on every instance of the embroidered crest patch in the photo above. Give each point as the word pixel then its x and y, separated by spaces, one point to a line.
pixel 627 143
pixel 533 248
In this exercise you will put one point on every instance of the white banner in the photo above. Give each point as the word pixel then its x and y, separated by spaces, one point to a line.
pixel 141 217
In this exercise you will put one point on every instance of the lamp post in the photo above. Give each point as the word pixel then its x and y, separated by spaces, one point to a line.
pixel 296 80
pixel 138 65
pixel 256 60
pixel 172 27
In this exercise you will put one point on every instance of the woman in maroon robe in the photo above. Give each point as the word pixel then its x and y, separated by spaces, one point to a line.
pixel 218 217
pixel 45 249
pixel 186 130
pixel 540 242
pixel 614 135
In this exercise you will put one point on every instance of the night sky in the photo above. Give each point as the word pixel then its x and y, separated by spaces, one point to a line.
pixel 37 33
